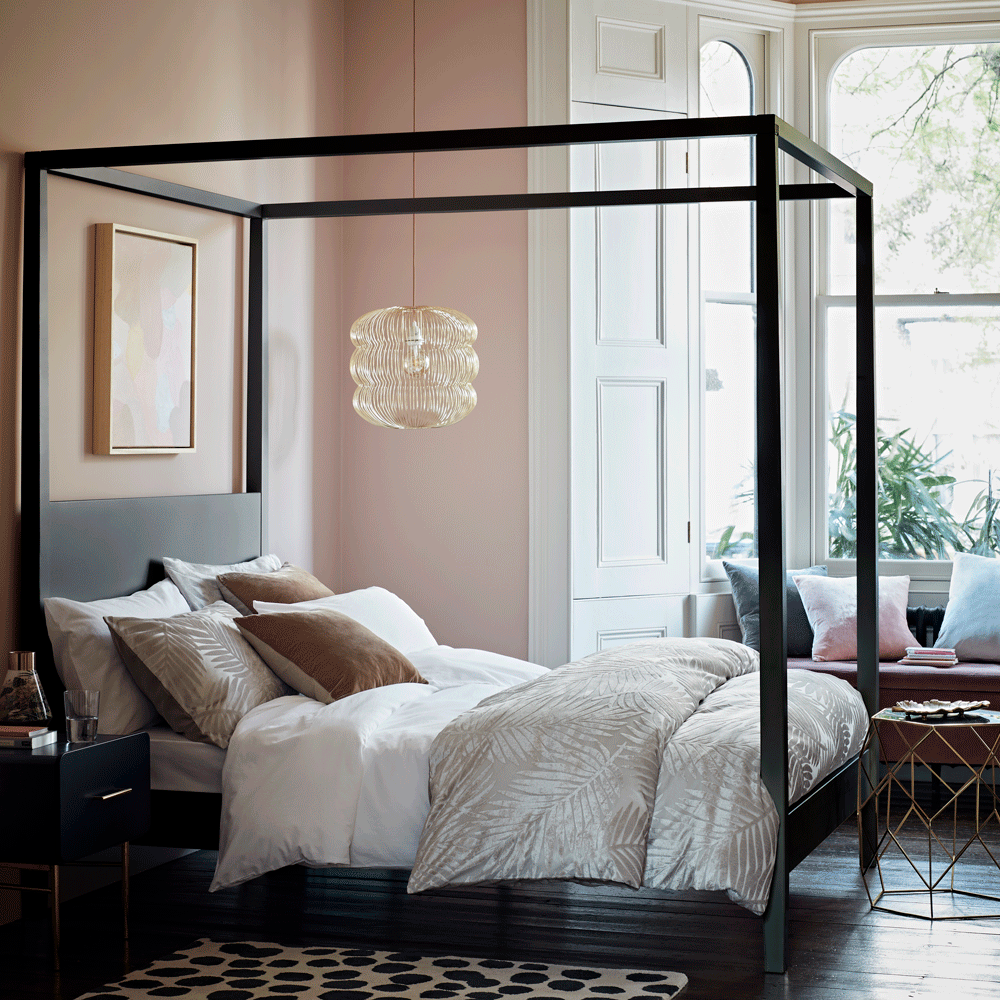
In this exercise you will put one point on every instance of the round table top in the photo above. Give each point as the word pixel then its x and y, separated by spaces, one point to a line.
pixel 971 717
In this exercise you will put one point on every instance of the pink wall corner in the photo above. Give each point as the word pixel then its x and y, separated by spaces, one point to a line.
pixel 441 516
pixel 106 73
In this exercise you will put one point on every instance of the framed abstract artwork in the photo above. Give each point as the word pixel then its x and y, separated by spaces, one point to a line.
pixel 145 312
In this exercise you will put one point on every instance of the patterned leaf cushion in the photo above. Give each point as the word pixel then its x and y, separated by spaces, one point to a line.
pixel 198 581
pixel 832 606
pixel 744 578
pixel 197 669
pixel 325 655
pixel 288 585
pixel 971 623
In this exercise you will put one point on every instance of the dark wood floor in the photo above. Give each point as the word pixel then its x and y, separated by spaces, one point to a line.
pixel 839 947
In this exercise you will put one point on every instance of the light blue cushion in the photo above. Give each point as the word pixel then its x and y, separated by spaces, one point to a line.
pixel 744 578
pixel 971 623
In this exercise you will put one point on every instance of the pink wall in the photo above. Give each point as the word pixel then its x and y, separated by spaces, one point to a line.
pixel 440 516
pixel 150 71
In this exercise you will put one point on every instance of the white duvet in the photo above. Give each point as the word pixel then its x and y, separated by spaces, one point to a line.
pixel 346 783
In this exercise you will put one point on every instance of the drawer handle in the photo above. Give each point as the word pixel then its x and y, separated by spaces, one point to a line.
pixel 113 795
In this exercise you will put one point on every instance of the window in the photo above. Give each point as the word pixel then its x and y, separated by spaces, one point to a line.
pixel 728 305
pixel 922 120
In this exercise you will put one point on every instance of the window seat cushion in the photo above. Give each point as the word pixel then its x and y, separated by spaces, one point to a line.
pixel 898 682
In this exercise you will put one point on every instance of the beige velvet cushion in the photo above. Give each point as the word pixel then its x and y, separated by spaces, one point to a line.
pixel 831 605
pixel 326 655
pixel 197 669
pixel 288 585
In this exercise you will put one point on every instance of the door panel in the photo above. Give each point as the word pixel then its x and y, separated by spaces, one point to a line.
pixel 611 622
pixel 630 457
pixel 630 53
pixel 629 373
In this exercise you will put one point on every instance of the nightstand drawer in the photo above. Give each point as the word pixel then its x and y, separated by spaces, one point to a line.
pixel 71 800
pixel 104 796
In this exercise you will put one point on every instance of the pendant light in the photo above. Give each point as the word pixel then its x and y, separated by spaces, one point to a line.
pixel 414 365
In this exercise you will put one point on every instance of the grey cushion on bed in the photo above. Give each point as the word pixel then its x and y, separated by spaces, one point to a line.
pixel 744 578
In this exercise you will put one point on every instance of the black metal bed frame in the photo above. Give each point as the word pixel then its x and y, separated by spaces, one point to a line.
pixel 91 549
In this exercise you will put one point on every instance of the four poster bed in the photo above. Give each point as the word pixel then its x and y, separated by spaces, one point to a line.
pixel 95 549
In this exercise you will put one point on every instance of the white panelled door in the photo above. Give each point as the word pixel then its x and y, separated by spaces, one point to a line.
pixel 629 374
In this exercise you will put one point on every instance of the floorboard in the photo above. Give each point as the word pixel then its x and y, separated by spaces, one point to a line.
pixel 839 947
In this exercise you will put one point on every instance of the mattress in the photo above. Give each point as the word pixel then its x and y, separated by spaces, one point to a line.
pixel 177 764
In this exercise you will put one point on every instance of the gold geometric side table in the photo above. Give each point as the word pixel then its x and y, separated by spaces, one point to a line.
pixel 915 856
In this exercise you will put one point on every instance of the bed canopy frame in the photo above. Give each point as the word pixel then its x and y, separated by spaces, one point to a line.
pixel 90 549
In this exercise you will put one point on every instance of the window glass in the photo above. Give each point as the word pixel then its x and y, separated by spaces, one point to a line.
pixel 726 227
pixel 922 122
pixel 938 430
pixel 728 314
pixel 729 430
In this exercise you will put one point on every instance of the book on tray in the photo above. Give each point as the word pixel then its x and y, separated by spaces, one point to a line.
pixel 26 737
pixel 930 656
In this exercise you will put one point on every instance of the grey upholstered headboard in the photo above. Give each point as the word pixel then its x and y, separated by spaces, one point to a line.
pixel 107 548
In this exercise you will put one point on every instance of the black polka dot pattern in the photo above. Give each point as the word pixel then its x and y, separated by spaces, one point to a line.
pixel 211 970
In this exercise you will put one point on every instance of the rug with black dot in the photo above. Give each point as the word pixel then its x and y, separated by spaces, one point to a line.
pixel 210 970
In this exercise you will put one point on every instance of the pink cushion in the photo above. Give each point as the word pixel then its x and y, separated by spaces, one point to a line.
pixel 831 605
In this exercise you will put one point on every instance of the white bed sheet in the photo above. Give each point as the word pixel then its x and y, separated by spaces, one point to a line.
pixel 177 764
pixel 346 783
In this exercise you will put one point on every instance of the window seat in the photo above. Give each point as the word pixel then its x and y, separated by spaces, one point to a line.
pixel 966 681
pixel 898 682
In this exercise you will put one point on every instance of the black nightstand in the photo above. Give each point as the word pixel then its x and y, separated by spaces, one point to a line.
pixel 65 801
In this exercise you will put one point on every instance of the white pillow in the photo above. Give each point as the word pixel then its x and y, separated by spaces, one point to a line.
pixel 971 623
pixel 196 581
pixel 86 657
pixel 197 669
pixel 387 615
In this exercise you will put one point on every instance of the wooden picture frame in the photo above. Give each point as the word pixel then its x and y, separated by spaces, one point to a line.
pixel 145 319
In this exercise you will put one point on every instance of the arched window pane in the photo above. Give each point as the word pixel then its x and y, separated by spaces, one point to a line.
pixel 727 312
pixel 726 230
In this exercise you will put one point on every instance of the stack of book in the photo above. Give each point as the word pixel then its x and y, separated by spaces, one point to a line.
pixel 929 656
pixel 26 737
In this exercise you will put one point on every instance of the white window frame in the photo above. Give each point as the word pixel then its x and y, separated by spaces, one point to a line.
pixel 828 49
pixel 711 29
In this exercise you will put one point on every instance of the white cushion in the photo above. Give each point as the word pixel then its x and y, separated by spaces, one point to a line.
pixel 197 669
pixel 971 623
pixel 86 657
pixel 197 582
pixel 379 610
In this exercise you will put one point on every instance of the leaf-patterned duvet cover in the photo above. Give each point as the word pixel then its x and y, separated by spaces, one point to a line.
pixel 638 765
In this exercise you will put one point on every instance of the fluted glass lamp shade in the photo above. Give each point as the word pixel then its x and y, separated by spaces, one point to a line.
pixel 414 366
